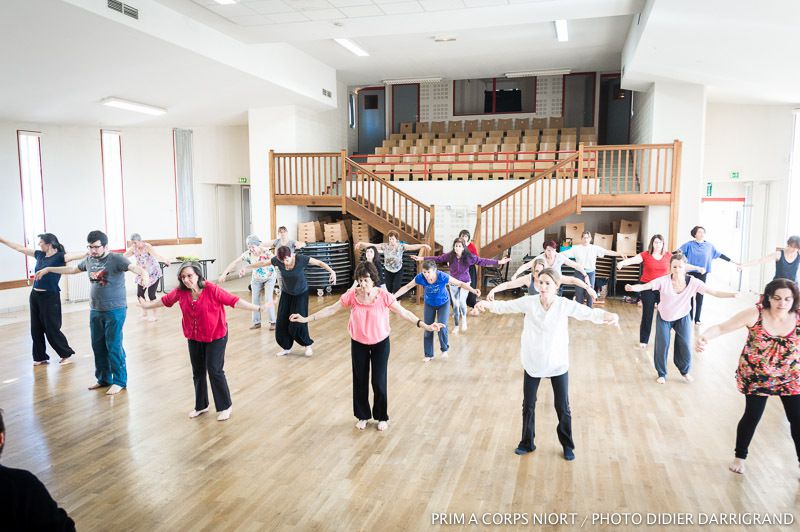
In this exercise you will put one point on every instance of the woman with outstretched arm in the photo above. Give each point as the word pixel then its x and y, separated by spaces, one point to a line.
pixel 529 280
pixel 369 340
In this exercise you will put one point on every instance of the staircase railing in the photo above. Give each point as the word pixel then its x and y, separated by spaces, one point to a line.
pixel 386 201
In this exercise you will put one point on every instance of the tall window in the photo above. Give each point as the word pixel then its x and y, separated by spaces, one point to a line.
pixel 30 178
pixel 184 182
pixel 793 214
pixel 113 189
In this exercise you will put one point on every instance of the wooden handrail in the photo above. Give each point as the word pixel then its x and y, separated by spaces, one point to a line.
pixel 531 182
pixel 385 183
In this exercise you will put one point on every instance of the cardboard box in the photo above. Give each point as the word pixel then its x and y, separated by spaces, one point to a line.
pixel 574 231
pixel 626 243
pixel 336 232
pixel 309 231
pixel 604 241
pixel 628 227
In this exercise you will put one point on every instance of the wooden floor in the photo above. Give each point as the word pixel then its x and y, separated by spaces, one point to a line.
pixel 291 459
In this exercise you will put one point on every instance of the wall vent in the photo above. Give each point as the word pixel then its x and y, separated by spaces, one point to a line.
pixel 326 92
pixel 125 9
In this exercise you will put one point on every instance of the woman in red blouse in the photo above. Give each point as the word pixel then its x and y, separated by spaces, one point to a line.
pixel 655 264
pixel 204 326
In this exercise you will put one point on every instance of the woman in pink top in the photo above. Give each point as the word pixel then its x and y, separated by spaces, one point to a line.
pixel 676 292
pixel 369 331
pixel 204 326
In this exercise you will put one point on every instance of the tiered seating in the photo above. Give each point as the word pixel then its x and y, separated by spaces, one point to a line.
pixel 476 149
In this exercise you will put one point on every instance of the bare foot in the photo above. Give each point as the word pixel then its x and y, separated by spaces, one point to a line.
pixel 737 466
pixel 362 424
pixel 661 380
pixel 97 385
pixel 114 389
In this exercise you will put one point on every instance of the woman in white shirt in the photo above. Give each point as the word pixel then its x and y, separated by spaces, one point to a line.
pixel 586 255
pixel 552 259
pixel 544 351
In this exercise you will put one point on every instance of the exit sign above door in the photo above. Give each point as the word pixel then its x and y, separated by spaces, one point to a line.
pixel 734 174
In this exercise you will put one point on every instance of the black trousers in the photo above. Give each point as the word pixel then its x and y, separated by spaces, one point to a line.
pixel 754 406
pixel 288 332
pixel 561 398
pixel 394 281
pixel 697 302
pixel 209 358
pixel 473 282
pixel 649 300
pixel 151 291
pixel 364 356
pixel 46 323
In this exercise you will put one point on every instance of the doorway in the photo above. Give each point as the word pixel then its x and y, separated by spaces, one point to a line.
pixel 615 111
pixel 371 118
pixel 226 234
pixel 405 105
pixel 724 221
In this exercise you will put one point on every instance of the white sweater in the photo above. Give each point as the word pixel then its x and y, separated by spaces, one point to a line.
pixel 545 340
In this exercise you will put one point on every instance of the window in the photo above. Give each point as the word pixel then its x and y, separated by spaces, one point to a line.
pixel 494 95
pixel 111 148
pixel 184 182
pixel 30 179
pixel 793 215
pixel 351 111
pixel 370 101
pixel 577 104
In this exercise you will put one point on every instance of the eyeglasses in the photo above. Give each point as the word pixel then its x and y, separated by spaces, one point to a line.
pixel 95 247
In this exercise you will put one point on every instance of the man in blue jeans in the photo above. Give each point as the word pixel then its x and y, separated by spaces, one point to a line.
pixel 109 305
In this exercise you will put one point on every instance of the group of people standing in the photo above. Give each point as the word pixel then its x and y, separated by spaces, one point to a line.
pixel 670 282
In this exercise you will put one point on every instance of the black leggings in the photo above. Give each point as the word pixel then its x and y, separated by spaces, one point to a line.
pixel 364 356
pixel 473 282
pixel 560 398
pixel 208 358
pixel 394 281
pixel 151 291
pixel 649 300
pixel 697 302
pixel 754 406
pixel 287 332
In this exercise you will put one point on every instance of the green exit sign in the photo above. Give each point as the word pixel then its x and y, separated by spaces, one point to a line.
pixel 709 190
pixel 735 175
pixel 243 180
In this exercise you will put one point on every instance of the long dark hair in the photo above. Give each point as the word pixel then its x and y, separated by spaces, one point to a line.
pixel 465 255
pixel 652 239
pixel 50 238
pixel 198 270
pixel 775 285
pixel 375 258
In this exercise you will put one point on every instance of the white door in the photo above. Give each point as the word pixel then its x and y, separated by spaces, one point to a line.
pixel 225 229
pixel 723 219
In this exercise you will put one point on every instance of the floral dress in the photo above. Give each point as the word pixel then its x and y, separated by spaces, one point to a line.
pixel 149 264
pixel 769 365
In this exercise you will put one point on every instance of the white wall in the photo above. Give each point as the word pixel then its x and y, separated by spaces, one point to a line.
pixel 73 187
pixel 642 119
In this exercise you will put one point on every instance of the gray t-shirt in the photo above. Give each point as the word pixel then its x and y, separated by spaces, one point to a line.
pixel 107 281
pixel 289 243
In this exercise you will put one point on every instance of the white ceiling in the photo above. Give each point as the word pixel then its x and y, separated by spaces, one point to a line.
pixel 59 61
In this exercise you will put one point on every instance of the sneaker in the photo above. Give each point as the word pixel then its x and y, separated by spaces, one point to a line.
pixel 569 454
pixel 271 326
pixel 661 380
pixel 40 362
pixel 282 353
pixel 444 355
pixel 362 424
pixel 65 361
pixel 383 425
pixel 225 414
pixel 255 326
pixel 522 450
pixel 114 389
pixel 309 351
pixel 195 413
pixel 427 359
pixel 688 378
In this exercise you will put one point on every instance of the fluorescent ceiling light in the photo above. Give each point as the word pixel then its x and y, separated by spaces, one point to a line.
pixel 128 105
pixel 534 73
pixel 225 2
pixel 410 80
pixel 353 47
pixel 561 30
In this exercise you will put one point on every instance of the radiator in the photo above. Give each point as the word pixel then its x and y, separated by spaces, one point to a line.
pixel 77 286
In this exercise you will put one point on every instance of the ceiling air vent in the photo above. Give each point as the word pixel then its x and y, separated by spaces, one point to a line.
pixel 125 9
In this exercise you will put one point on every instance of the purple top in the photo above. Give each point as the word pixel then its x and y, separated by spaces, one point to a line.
pixel 458 269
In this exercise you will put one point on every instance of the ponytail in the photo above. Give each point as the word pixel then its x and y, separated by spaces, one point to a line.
pixel 50 238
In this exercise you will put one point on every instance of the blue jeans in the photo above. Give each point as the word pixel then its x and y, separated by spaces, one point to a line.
pixel 109 355
pixel 438 315
pixel 269 292
pixel 683 343
pixel 580 293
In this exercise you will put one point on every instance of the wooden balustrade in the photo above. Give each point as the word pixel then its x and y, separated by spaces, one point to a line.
pixel 305 174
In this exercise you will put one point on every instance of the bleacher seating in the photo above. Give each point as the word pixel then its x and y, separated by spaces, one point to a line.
pixel 504 148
